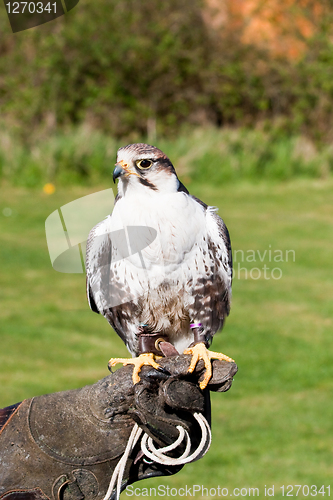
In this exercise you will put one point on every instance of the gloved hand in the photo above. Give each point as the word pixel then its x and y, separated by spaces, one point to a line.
pixel 66 445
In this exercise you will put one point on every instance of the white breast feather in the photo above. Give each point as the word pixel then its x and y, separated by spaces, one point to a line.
pixel 176 258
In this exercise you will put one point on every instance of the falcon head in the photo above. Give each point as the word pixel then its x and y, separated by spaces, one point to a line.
pixel 140 166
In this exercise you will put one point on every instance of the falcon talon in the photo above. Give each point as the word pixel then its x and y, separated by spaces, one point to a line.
pixel 164 370
pixel 147 358
pixel 199 351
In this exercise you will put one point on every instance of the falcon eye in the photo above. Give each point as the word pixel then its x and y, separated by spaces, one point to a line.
pixel 144 164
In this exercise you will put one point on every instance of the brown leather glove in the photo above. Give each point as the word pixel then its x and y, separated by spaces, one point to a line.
pixel 66 445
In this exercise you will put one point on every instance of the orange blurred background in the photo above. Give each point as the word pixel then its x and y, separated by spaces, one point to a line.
pixel 282 27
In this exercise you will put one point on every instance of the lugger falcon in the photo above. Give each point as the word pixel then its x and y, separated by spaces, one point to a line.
pixel 159 268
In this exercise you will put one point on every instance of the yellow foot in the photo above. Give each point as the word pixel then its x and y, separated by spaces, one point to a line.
pixel 144 359
pixel 199 351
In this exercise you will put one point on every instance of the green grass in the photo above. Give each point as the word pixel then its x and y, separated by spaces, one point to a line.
pixel 274 427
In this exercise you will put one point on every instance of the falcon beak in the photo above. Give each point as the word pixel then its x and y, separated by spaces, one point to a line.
pixel 118 171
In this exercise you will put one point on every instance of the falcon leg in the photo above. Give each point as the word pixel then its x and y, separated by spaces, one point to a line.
pixel 146 358
pixel 199 351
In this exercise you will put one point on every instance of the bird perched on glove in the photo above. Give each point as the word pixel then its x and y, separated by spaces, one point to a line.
pixel 159 268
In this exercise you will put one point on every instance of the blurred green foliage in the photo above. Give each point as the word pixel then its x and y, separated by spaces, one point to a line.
pixel 82 155
pixel 138 66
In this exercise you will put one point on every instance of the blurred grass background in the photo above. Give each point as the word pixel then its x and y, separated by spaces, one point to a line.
pixel 83 156
pixel 240 96
pixel 274 426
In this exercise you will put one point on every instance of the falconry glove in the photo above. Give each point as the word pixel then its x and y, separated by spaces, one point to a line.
pixel 66 445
